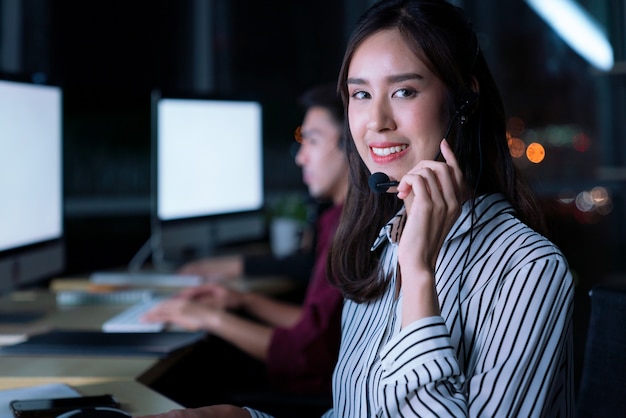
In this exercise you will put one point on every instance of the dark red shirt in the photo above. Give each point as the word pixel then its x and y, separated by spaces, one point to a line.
pixel 302 358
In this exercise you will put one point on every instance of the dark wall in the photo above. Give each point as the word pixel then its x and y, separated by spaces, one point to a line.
pixel 108 58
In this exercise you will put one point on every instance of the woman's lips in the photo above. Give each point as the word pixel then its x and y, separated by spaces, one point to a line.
pixel 382 154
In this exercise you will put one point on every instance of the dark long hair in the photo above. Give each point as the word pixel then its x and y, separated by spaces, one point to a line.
pixel 439 34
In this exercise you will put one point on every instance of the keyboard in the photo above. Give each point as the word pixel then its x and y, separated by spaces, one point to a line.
pixel 129 320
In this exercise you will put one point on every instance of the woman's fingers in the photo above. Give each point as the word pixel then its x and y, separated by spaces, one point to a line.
pixel 433 194
pixel 443 180
pixel 457 174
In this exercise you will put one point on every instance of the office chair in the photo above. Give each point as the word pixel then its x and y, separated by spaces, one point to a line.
pixel 602 391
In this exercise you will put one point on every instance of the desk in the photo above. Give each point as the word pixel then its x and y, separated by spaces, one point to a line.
pixel 92 316
pixel 126 378
pixel 88 375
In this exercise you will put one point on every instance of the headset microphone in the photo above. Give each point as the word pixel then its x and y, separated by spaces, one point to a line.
pixel 379 182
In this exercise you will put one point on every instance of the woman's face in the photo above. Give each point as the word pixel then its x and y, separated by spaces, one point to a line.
pixel 395 108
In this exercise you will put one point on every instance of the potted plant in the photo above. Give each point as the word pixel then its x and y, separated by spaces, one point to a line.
pixel 288 220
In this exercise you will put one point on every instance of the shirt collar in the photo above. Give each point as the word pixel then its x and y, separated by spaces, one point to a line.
pixel 392 230
pixel 485 208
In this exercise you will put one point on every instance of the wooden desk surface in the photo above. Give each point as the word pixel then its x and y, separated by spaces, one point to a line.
pixel 32 366
pixel 67 317
pixel 92 316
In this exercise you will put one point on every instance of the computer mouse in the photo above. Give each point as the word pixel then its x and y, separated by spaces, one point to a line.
pixel 95 412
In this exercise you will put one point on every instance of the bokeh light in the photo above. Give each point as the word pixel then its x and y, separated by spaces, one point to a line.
pixel 515 126
pixel 535 152
pixel 581 142
pixel 587 206
pixel 516 147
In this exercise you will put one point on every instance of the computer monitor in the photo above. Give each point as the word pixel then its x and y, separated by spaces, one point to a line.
pixel 207 175
pixel 31 186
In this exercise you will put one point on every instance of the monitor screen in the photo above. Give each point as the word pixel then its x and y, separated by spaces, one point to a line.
pixel 31 188
pixel 208 158
pixel 207 167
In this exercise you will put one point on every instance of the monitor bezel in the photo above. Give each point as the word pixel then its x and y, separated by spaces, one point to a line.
pixel 217 225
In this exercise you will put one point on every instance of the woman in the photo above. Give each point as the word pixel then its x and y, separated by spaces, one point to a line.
pixel 463 308
pixel 459 307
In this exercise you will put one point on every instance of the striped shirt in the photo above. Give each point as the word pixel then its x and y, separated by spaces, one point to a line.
pixel 502 346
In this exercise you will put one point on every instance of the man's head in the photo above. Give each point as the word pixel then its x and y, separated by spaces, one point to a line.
pixel 321 156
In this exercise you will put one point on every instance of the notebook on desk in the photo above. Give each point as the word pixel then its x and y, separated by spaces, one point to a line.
pixel 65 342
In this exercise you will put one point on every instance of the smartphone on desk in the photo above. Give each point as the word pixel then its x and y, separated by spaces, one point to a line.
pixel 53 407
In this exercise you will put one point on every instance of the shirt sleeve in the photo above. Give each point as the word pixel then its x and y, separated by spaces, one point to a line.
pixel 257 414
pixel 519 354
pixel 329 414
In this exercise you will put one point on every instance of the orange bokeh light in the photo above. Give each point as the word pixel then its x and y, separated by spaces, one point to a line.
pixel 516 147
pixel 535 153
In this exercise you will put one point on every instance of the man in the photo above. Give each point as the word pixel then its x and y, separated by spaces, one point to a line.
pixel 297 344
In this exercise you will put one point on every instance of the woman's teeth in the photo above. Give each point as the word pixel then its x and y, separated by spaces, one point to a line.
pixel 390 150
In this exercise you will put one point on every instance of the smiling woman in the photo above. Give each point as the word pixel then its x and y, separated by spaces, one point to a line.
pixel 454 336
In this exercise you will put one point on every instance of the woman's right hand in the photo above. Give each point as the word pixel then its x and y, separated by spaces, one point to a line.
pixel 433 193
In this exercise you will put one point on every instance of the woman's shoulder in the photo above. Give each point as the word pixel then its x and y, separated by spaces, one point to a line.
pixel 503 230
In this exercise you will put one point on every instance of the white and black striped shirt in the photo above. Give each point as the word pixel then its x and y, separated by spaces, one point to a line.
pixel 509 352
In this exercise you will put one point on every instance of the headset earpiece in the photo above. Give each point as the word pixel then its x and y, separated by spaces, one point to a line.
pixel 466 106
pixel 463 110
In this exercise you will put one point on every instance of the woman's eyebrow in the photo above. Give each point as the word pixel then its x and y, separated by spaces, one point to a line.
pixel 404 77
pixel 396 78
pixel 354 80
